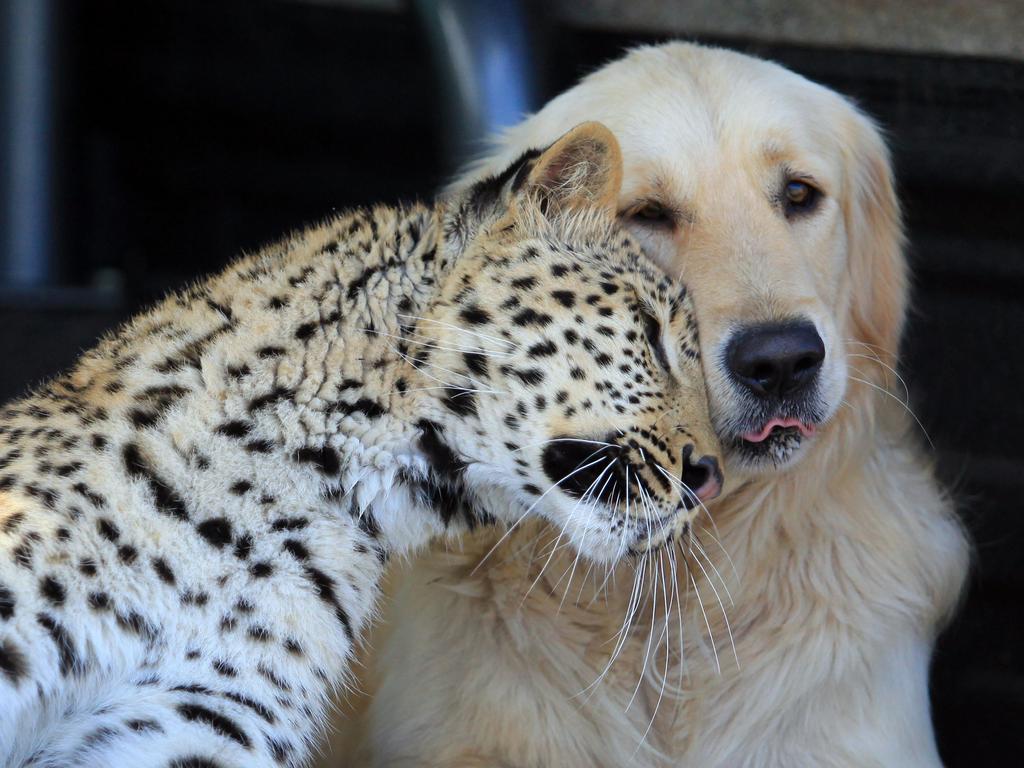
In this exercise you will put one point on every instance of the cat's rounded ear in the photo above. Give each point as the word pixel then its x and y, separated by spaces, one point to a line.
pixel 583 169
pixel 580 171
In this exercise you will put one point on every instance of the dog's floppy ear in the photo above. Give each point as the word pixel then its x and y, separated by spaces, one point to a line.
pixel 582 169
pixel 877 264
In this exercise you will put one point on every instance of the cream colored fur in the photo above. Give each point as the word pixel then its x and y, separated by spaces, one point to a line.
pixel 842 564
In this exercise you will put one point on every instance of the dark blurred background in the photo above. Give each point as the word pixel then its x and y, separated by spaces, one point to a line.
pixel 144 143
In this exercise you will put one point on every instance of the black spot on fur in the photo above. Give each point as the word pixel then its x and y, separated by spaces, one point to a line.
pixel 11 523
pixel 216 531
pixel 297 280
pixel 260 709
pixel 102 735
pixel 243 546
pixel 441 457
pixel 224 726
pixel 163 570
pixel 476 362
pixel 272 677
pixel 360 282
pixel 280 750
pixel 66 470
pixel 99 601
pixel 459 401
pixel 259 634
pixel 127 554
pixel 52 590
pixel 144 726
pixel 289 524
pixel 65 648
pixel 23 552
pixel 108 529
pixel 244 606
pixel 296 548
pixel 524 283
pixel 167 501
pixel 241 487
pixel 325 459
pixel 271 398
pixel 12 661
pixel 235 428
pixel 134 622
pixel 261 570
pixel 566 298
pixel 324 587
pixel 545 348
pixel 531 316
pixel 221 667
pixel 362 405
pixel 270 352
pixel 89 495
pixel 7 603
pixel 305 330
pixel 531 377
pixel 142 418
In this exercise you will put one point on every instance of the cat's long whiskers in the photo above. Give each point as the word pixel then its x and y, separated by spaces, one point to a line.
pixel 576 559
pixel 725 614
pixel 530 509
pixel 457 329
pixel 707 623
pixel 562 532
pixel 436 344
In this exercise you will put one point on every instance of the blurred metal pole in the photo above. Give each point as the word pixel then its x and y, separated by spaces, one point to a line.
pixel 27 134
pixel 486 67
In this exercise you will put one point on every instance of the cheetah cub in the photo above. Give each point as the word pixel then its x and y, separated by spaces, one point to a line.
pixel 194 520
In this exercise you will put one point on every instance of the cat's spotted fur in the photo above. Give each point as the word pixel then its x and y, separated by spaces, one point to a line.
pixel 194 519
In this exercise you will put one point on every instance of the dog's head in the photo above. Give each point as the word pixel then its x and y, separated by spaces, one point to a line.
pixel 772 197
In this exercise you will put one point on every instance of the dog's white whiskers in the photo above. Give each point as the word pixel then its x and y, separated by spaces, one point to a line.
pixel 906 407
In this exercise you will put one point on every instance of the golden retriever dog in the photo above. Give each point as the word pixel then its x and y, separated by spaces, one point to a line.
pixel 796 626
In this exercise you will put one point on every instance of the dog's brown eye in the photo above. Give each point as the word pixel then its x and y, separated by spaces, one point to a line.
pixel 800 196
pixel 652 214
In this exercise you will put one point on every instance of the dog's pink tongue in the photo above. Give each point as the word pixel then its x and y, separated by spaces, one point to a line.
pixel 762 434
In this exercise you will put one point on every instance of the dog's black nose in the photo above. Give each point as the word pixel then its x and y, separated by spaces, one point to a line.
pixel 776 359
